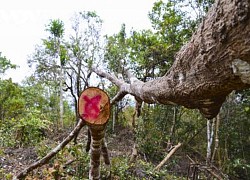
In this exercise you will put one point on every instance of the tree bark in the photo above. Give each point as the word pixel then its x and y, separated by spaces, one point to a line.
pixel 213 63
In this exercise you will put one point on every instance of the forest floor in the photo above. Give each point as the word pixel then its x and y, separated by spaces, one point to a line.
pixel 14 160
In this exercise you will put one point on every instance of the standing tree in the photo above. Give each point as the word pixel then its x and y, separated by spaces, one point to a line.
pixel 49 60
pixel 84 49
pixel 56 29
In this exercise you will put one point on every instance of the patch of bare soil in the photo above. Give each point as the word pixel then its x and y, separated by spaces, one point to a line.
pixel 13 160
pixel 121 143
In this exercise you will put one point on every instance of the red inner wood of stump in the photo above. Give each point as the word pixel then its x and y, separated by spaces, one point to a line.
pixel 94 106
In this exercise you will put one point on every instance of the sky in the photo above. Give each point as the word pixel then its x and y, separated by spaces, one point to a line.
pixel 22 23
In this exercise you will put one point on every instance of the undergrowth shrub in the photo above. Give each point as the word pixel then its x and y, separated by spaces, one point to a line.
pixel 25 131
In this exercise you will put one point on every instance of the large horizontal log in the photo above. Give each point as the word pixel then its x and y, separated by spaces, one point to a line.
pixel 212 64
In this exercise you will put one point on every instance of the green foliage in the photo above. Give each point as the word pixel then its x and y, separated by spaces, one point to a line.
pixel 81 166
pixel 25 131
pixel 150 139
pixel 234 134
pixel 239 168
pixel 153 130
pixel 63 55
pixel 56 28
pixel 12 102
pixel 31 129
pixel 77 168
pixel 120 167
pixel 148 54
pixel 53 43
pixel 6 133
pixel 116 51
pixel 5 64
pixel 44 147
pixel 4 175
pixel 172 25
pixel 36 95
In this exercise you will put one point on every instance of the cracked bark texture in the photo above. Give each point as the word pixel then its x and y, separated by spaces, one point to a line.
pixel 212 64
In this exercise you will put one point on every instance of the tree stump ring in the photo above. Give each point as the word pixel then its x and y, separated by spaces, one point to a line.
pixel 94 106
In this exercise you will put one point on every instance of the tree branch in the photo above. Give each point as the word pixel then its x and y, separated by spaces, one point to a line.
pixel 212 64
pixel 167 157
pixel 52 153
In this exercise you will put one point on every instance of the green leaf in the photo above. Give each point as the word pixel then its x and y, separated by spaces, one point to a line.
pixel 247 109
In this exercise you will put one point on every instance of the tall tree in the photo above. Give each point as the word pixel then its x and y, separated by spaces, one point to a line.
pixel 84 50
pixel 49 60
pixel 56 29
pixel 116 57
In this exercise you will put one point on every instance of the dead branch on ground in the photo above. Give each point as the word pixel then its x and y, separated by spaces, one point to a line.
pixel 52 153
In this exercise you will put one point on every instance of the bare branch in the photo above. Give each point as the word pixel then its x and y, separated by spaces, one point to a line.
pixel 112 78
pixel 52 153
pixel 118 97
pixel 124 88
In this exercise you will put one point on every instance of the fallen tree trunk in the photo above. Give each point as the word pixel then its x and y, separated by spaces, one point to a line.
pixel 212 64
pixel 52 153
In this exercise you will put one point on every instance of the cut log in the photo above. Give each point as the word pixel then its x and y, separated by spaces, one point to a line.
pixel 94 106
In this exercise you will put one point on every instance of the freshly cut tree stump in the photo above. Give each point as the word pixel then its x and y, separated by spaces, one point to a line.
pixel 94 106
pixel 94 109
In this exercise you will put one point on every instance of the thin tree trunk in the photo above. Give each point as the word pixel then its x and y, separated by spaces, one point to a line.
pixel 61 96
pixel 113 119
pixel 210 135
pixel 169 145
pixel 216 142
